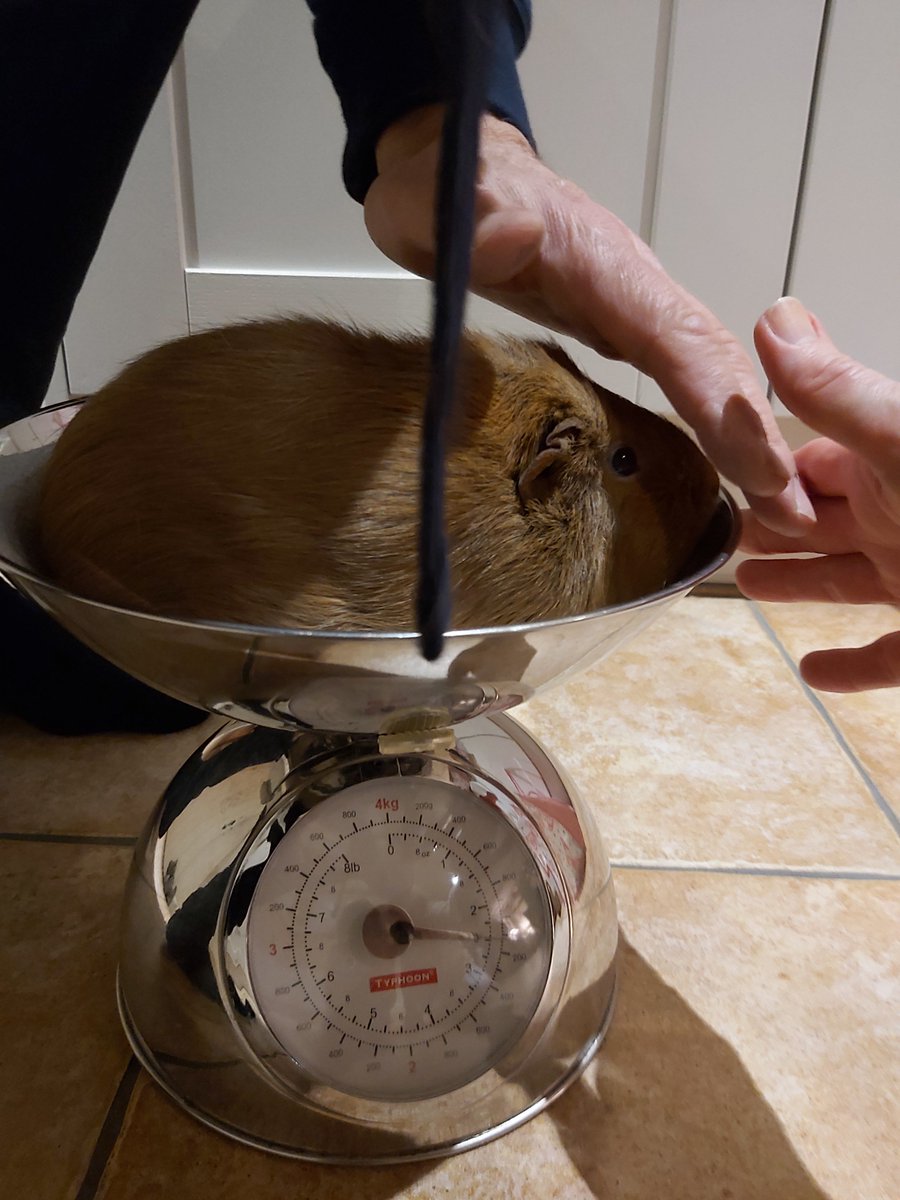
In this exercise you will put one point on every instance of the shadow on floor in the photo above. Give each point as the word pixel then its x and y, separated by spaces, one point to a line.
pixel 666 1112
pixel 669 1110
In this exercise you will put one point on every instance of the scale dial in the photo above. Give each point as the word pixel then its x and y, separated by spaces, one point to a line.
pixel 399 938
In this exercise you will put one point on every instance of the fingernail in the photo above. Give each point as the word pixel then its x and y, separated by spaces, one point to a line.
pixel 789 320
pixel 742 426
pixel 799 500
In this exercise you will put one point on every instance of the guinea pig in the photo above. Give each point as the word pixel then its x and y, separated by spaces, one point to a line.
pixel 268 473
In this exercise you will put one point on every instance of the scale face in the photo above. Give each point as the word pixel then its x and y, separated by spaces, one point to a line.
pixel 399 938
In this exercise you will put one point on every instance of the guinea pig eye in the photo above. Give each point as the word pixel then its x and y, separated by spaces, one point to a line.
pixel 623 461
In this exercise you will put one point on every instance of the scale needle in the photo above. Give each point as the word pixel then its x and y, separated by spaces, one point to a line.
pixel 404 931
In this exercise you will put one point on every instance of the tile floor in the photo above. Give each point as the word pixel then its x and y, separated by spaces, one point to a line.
pixel 755 1052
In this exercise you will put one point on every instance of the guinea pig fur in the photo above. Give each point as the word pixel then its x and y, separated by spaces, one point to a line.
pixel 268 473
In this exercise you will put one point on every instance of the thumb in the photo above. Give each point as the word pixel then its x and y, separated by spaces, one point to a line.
pixel 505 243
pixel 828 390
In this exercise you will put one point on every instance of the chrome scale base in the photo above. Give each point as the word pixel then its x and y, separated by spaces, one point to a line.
pixel 177 987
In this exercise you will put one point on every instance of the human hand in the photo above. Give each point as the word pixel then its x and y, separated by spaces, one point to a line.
pixel 544 249
pixel 853 477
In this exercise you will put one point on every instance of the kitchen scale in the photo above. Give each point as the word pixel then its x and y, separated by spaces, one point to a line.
pixel 369 920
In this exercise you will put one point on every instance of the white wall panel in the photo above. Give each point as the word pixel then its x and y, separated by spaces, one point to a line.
pixel 739 87
pixel 133 297
pixel 588 74
pixel 847 265
pixel 58 391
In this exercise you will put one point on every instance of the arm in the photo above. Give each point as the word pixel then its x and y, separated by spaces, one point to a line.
pixel 545 249
pixel 542 247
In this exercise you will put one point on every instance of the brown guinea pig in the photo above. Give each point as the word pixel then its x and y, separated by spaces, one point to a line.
pixel 268 473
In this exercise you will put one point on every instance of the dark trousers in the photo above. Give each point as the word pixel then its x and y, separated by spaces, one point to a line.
pixel 77 81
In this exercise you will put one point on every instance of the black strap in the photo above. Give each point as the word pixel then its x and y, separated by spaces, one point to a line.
pixel 464 30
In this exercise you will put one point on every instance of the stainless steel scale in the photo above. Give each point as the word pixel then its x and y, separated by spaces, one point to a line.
pixel 369 920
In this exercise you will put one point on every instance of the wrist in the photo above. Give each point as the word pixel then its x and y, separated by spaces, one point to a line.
pixel 422 127
pixel 411 133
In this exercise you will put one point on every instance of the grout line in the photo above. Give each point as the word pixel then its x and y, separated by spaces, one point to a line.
pixel 69 839
pixel 874 791
pixel 765 872
pixel 109 1132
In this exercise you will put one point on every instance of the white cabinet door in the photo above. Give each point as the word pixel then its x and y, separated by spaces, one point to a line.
pixel 847 263
pixel 274 228
pixel 739 88
pixel 134 294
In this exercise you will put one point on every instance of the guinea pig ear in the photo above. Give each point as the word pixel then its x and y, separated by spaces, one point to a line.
pixel 540 478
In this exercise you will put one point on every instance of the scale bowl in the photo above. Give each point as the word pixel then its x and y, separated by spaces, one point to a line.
pixel 355 716
pixel 306 679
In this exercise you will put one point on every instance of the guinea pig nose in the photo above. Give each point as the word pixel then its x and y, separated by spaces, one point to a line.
pixel 623 461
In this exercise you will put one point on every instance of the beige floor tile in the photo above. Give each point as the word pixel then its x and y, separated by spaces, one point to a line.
pixel 793 987
pixel 753 1056
pixel 63 1051
pixel 103 785
pixel 870 721
pixel 696 744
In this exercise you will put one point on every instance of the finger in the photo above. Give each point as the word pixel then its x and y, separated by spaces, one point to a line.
pixel 790 512
pixel 595 279
pixel 602 284
pixel 710 382
pixel 839 578
pixel 854 670
pixel 827 468
pixel 828 390
pixel 836 531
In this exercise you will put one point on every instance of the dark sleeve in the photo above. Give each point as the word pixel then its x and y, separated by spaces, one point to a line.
pixel 77 81
pixel 380 56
